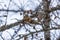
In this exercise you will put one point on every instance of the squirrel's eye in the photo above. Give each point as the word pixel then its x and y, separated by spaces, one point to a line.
pixel 21 13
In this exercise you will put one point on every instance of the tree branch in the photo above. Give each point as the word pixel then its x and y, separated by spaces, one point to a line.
pixel 53 28
pixel 55 8
pixel 4 27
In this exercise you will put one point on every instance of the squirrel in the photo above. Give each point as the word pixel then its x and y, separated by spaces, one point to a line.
pixel 30 19
pixel 27 14
pixel 27 19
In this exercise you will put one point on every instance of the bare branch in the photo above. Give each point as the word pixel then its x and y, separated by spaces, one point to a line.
pixel 4 27
pixel 55 8
pixel 54 28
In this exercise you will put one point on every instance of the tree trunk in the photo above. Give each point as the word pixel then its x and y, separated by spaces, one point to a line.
pixel 46 20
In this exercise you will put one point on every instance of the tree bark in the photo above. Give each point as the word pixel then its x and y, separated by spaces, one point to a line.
pixel 46 20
